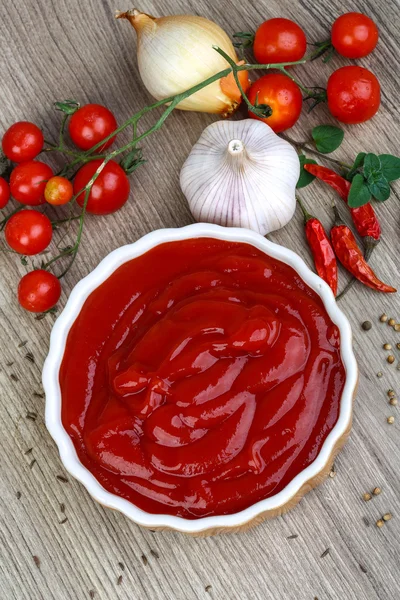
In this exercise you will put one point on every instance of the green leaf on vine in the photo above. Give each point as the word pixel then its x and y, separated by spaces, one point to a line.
pixel 359 193
pixel 327 138
pixel 305 177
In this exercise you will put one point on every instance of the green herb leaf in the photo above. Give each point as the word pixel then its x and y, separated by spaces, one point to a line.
pixel 372 165
pixel 380 189
pixel 359 161
pixel 374 177
pixel 305 177
pixel 359 193
pixel 327 138
pixel 390 166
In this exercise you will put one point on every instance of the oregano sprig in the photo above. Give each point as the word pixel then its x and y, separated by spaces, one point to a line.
pixel 370 174
pixel 370 177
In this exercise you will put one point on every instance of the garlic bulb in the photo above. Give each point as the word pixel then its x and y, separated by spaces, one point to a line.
pixel 241 174
pixel 175 53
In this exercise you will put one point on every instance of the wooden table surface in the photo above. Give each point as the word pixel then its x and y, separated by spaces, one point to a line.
pixel 69 49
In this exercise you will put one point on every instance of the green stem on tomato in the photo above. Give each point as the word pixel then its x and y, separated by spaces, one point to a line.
pixel 79 236
pixel 306 91
pixel 254 109
pixel 179 97
pixel 322 47
pixel 82 160
pixel 78 155
pixel 171 103
pixel 74 249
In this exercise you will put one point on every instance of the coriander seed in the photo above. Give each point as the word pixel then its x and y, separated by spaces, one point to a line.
pixel 390 420
pixel 392 322
pixel 379 374
pixel 380 523
pixel 398 346
pixel 393 401
pixel 367 496
pixel 387 346
pixel 391 393
pixel 383 318
pixel 397 327
pixel 390 359
pixel 376 491
pixel 387 516
pixel 366 325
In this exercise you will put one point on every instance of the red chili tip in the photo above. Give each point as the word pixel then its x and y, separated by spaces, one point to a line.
pixel 309 167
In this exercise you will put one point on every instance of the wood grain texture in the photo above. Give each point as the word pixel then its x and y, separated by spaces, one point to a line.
pixel 64 49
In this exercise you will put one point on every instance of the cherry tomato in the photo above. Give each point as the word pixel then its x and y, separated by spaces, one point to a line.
pixel 90 124
pixel 109 192
pixel 58 191
pixel 279 40
pixel 353 94
pixel 354 35
pixel 4 192
pixel 28 232
pixel 39 291
pixel 22 141
pixel 28 181
pixel 282 95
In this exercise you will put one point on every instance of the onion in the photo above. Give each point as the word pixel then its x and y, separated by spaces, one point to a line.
pixel 176 53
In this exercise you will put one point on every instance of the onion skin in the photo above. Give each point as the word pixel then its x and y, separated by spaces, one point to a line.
pixel 176 53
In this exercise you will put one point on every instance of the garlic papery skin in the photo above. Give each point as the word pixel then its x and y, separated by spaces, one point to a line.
pixel 241 174
pixel 176 53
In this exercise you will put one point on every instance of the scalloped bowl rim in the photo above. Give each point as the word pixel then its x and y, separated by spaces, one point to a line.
pixel 72 309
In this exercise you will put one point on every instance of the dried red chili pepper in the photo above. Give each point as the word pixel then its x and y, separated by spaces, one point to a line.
pixel 321 248
pixel 350 255
pixel 364 217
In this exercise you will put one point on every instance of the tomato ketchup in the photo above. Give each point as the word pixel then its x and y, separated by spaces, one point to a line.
pixel 200 378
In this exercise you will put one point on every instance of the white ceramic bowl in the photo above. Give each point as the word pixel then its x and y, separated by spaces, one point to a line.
pixel 271 506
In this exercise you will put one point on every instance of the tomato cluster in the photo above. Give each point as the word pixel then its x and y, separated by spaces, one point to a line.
pixel 32 184
pixel 353 93
pixel 100 185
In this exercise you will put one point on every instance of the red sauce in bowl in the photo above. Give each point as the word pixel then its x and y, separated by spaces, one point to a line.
pixel 200 378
